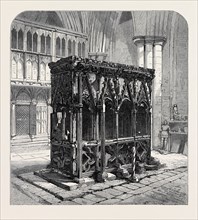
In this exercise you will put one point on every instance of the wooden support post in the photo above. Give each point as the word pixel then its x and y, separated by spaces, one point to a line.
pixel 103 138
pixel 102 175
pixel 117 134
pixel 71 125
pixel 134 122
pixel 96 132
pixel 79 129
pixel 96 137
pixel 63 124
pixel 133 178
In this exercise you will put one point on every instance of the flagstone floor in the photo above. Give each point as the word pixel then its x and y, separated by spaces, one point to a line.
pixel 167 185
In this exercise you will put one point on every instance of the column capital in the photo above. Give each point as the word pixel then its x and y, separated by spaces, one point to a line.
pixel 33 102
pixel 156 40
pixel 13 102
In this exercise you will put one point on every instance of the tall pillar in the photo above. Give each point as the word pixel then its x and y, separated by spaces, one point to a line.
pixel 33 118
pixel 79 129
pixel 157 94
pixel 149 52
pixel 140 52
pixel 13 119
pixel 53 46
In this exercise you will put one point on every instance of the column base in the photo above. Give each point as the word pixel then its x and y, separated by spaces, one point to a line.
pixel 101 177
pixel 134 179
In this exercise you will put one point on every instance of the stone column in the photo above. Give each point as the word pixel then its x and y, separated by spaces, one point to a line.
pixel 149 52
pixel 33 104
pixel 140 52
pixel 13 119
pixel 157 94
pixel 53 46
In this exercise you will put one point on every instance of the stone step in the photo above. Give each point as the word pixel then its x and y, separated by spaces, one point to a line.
pixel 34 192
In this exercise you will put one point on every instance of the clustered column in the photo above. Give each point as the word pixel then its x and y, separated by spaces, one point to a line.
pixel 13 119
pixel 149 53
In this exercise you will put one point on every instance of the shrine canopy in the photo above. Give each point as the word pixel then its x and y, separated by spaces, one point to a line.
pixel 76 64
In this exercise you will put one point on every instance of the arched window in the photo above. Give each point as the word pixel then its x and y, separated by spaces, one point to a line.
pixel 48 44
pixel 29 69
pixel 79 49
pixel 34 70
pixel 14 70
pixel 14 39
pixel 125 122
pixel 35 38
pixel 83 50
pixel 57 46
pixel 63 47
pixel 42 71
pixel 20 40
pixel 48 74
pixel 29 41
pixel 20 69
pixel 69 48
pixel 42 43
pixel 73 47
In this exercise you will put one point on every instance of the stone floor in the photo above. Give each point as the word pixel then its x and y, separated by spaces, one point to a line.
pixel 166 186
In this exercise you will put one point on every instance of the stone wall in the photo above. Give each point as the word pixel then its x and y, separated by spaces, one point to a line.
pixel 174 84
pixel 124 49
pixel 175 68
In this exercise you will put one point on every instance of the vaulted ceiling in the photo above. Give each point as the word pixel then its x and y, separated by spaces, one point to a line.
pixel 100 26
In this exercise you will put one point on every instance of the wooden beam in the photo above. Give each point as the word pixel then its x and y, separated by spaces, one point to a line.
pixel 79 128
pixel 103 162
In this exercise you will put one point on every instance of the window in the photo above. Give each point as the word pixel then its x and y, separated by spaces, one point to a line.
pixel 34 70
pixel 63 47
pixel 42 71
pixel 48 44
pixel 41 119
pixel 20 40
pixel 125 124
pixel 35 37
pixel 42 43
pixel 20 69
pixel 29 41
pixel 79 49
pixel 48 74
pixel 29 69
pixel 83 49
pixel 69 48
pixel 14 70
pixel 57 46
pixel 14 39
pixel 73 47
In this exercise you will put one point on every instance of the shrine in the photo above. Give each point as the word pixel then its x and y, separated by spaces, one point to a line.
pixel 101 120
